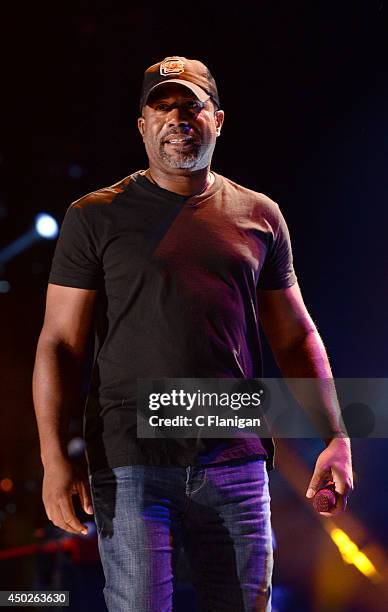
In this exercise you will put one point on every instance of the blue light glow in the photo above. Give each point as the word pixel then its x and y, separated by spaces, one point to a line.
pixel 46 226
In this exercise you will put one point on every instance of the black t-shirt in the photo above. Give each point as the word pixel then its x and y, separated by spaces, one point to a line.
pixel 176 280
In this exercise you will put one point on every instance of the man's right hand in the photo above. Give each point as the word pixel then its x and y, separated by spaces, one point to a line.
pixel 61 481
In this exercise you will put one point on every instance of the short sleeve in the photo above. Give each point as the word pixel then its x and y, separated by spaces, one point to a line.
pixel 75 262
pixel 278 269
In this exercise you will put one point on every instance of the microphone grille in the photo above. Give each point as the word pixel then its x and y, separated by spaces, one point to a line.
pixel 324 500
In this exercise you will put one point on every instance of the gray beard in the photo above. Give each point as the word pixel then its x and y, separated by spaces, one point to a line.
pixel 180 160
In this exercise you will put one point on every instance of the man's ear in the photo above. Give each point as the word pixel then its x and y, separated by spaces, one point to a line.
pixel 219 117
pixel 140 125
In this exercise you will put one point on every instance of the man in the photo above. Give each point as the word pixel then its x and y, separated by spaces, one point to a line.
pixel 171 266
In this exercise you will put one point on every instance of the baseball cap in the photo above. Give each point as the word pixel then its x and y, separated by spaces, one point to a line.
pixel 176 69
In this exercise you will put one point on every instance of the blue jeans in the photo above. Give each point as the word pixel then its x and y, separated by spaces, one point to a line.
pixel 219 514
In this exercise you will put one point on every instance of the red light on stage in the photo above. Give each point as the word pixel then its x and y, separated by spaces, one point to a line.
pixel 6 485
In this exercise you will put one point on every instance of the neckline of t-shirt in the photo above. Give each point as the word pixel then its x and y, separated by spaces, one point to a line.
pixel 196 200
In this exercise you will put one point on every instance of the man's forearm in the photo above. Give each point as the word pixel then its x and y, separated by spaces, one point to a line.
pixel 304 363
pixel 55 386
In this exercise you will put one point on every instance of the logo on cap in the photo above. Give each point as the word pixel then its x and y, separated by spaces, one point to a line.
pixel 171 66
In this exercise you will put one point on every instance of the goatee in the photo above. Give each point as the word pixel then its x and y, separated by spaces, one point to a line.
pixel 182 159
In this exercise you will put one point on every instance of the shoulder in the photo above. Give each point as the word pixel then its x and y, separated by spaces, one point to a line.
pixel 103 196
pixel 248 194
pixel 255 202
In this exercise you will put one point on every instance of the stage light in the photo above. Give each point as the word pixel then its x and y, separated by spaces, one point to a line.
pixel 75 171
pixel 352 554
pixel 4 286
pixel 76 447
pixel 6 485
pixel 46 226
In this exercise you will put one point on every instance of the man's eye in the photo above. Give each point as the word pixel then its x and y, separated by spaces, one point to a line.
pixel 194 105
pixel 161 106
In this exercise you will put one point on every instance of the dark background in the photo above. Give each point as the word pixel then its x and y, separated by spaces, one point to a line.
pixel 304 87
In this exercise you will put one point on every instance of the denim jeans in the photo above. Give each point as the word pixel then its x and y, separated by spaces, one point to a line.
pixel 219 514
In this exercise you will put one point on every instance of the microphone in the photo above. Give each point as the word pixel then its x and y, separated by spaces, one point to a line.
pixel 325 498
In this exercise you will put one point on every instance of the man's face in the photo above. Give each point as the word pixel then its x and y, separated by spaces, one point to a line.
pixel 178 130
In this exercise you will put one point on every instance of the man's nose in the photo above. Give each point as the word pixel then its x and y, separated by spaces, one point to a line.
pixel 178 115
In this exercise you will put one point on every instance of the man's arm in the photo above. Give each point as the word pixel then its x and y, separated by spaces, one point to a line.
pixel 56 385
pixel 300 353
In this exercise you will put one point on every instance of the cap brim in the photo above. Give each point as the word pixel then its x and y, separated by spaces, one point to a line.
pixel 196 89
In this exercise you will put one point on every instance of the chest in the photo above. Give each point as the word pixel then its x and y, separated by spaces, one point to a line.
pixel 186 242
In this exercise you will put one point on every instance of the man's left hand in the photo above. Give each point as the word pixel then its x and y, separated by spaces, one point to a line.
pixel 334 463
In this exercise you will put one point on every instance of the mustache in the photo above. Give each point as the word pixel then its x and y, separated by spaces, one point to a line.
pixel 174 133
